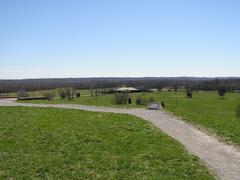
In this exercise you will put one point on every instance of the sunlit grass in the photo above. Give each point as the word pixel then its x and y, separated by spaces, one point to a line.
pixel 205 109
pixel 53 143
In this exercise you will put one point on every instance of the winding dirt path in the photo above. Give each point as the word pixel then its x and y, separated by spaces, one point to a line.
pixel 222 159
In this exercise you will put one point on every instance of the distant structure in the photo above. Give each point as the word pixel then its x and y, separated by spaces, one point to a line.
pixel 236 91
pixel 167 89
pixel 127 90
pixel 153 90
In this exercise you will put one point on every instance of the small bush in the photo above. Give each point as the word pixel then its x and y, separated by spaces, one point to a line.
pixel 189 94
pixel 238 111
pixel 78 95
pixel 163 104
pixel 129 100
pixel 121 98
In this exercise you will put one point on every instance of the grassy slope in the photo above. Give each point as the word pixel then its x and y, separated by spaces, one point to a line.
pixel 71 144
pixel 205 109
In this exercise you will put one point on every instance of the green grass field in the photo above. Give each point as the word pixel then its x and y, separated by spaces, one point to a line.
pixel 50 143
pixel 206 109
pixel 40 93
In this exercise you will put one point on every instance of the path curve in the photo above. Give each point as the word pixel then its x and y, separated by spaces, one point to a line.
pixel 222 159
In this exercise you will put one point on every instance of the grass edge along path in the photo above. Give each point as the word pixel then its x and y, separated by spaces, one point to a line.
pixel 60 143
pixel 205 110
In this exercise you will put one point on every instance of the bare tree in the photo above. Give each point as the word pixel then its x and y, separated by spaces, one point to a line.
pixel 96 93
pixel 49 94
pixel 189 92
pixel 121 98
pixel 62 93
pixel 22 93
pixel 92 93
pixel 70 92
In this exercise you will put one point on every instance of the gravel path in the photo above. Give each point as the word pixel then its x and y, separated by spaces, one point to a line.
pixel 222 159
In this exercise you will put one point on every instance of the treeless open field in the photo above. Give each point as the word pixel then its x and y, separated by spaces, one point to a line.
pixel 58 143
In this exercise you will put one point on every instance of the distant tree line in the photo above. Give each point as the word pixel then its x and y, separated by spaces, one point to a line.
pixel 143 84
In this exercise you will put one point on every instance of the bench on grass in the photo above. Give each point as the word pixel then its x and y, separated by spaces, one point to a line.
pixel 154 106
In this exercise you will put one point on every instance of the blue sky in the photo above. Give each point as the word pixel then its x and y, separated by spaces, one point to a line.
pixel 93 38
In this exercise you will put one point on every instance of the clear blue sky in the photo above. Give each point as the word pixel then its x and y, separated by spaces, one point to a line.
pixel 92 38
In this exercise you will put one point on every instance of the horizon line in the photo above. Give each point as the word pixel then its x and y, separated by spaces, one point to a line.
pixel 123 77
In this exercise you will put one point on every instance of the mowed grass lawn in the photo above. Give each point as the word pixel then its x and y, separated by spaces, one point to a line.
pixel 206 109
pixel 71 144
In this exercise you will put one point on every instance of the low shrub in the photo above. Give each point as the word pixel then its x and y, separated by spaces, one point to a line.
pixel 121 98
pixel 129 100
pixel 163 104
pixel 189 94
pixel 78 95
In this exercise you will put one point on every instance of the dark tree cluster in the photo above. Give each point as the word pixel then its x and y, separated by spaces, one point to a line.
pixel 143 84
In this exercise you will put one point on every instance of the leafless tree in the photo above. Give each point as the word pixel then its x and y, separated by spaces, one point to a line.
pixel 70 92
pixel 22 93
pixel 49 94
